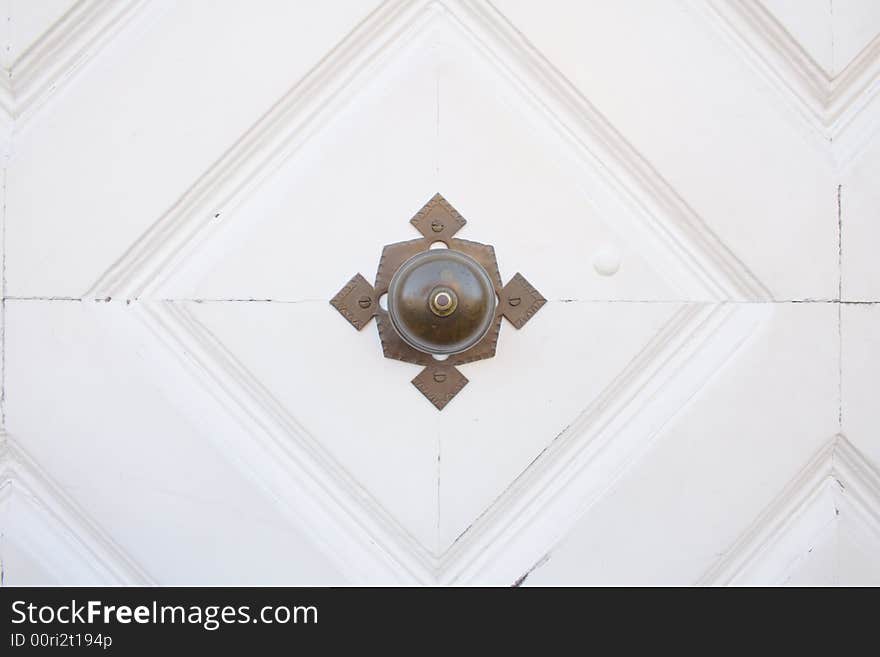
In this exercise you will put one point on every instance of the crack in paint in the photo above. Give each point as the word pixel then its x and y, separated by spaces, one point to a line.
pixel 839 308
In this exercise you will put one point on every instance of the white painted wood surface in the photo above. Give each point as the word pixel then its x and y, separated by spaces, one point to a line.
pixel 692 185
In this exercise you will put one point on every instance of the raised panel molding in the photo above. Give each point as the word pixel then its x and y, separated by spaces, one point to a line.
pixel 43 522
pixel 530 515
pixel 67 46
pixel 839 111
pixel 684 248
pixel 527 519
pixel 837 493
pixel 720 305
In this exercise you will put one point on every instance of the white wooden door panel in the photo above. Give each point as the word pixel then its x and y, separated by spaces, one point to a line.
pixel 284 215
pixel 809 25
pixel 860 367
pixel 855 26
pixel 759 419
pixel 47 538
pixel 551 196
pixel 690 184
pixel 114 442
pixel 739 160
pixel 27 22
pixel 859 200
pixel 165 99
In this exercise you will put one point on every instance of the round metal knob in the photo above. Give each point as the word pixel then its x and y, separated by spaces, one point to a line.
pixel 441 302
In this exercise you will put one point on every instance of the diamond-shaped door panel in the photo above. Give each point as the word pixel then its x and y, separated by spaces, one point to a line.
pixel 301 221
pixel 495 164
pixel 326 209
pixel 313 391
pixel 331 392
pixel 562 368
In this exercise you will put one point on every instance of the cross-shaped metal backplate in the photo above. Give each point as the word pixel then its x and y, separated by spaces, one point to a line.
pixel 358 301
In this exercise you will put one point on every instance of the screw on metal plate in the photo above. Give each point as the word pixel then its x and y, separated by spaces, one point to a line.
pixel 440 302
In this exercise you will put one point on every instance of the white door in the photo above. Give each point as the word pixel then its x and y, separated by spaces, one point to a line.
pixel 693 185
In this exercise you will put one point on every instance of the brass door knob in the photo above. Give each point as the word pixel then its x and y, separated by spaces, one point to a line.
pixel 441 302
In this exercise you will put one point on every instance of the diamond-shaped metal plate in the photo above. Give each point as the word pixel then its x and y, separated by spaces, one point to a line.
pixel 519 301
pixel 356 301
pixel 438 220
pixel 440 383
